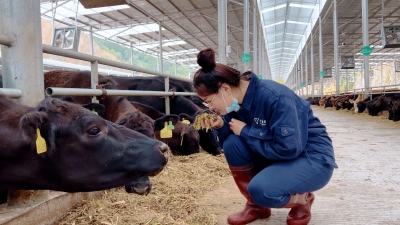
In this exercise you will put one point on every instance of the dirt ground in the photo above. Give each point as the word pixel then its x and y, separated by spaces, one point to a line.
pixel 364 190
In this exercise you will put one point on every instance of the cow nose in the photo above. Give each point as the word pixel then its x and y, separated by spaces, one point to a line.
pixel 164 148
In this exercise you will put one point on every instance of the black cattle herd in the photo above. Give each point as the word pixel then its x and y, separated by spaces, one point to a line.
pixel 374 104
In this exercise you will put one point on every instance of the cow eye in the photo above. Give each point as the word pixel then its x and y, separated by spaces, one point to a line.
pixel 93 131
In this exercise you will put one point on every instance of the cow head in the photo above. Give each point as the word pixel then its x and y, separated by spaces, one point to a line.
pixel 396 110
pixel 85 152
pixel 361 106
pixel 137 121
pixel 184 140
pixel 209 143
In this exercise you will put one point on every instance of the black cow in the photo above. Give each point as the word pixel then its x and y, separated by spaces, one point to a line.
pixel 396 110
pixel 382 103
pixel 82 151
pixel 184 140
pixel 117 108
pixel 178 104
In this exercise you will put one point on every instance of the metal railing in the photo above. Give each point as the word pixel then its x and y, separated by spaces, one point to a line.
pixel 95 60
pixel 51 91
pixel 11 92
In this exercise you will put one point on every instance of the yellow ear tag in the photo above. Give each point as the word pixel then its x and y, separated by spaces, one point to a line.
pixel 165 132
pixel 186 121
pixel 94 111
pixel 40 143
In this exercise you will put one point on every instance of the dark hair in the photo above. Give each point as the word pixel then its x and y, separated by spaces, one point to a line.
pixel 212 75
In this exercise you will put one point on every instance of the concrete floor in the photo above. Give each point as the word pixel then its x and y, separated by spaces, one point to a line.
pixel 366 187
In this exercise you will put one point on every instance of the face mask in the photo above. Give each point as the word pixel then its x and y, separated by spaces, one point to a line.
pixel 235 104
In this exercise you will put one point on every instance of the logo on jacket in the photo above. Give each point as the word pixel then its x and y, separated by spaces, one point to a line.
pixel 262 122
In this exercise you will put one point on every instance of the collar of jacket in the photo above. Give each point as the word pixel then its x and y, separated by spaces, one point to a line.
pixel 250 92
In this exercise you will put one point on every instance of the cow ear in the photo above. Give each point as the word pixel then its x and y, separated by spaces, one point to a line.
pixel 34 122
pixel 159 123
pixel 67 99
pixel 184 116
pixel 96 108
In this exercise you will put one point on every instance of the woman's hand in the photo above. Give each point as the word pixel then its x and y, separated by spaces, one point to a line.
pixel 236 126
pixel 208 121
pixel 215 122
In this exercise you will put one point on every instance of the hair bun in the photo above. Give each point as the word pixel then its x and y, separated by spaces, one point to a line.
pixel 206 59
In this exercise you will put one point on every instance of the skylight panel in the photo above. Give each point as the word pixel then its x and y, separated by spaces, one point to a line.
pixel 123 31
pixel 303 6
pixel 182 52
pixel 273 8
pixel 298 22
pixel 164 44
pixel 188 59
pixel 274 24
pixel 295 34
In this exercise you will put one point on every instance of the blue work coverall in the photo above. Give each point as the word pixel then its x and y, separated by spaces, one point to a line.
pixel 284 140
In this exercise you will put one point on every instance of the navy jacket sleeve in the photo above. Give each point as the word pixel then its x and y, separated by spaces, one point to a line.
pixel 281 139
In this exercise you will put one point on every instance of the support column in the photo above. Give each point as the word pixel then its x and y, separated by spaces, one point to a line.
pixel 222 42
pixel 312 66
pixel 260 49
pixel 382 72
pixel 246 32
pixel 347 80
pixel 133 72
pixel 161 69
pixel 365 43
pixel 321 57
pixel 94 68
pixel 296 77
pixel 263 63
pixel 301 75
pixel 336 47
pixel 23 67
pixel 94 78
pixel 91 41
pixel 255 34
pixel 306 59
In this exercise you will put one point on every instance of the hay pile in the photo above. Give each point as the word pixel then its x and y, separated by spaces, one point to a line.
pixel 173 199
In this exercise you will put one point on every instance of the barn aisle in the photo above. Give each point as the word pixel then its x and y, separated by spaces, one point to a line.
pixel 364 190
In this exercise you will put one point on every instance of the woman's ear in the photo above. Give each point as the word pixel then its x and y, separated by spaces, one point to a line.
pixel 226 88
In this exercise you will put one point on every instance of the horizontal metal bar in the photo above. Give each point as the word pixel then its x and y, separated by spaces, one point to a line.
pixel 90 58
pixel 53 91
pixel 5 40
pixel 236 2
pixel 11 92
pixel 55 7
